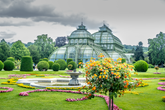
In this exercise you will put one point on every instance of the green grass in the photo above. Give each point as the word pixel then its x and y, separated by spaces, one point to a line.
pixel 149 99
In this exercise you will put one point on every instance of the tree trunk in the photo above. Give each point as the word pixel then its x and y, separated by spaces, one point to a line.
pixel 110 107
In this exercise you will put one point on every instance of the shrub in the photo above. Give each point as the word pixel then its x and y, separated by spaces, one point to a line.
pixel 62 64
pixel 68 60
pixel 150 66
pixel 43 66
pixel 45 59
pixel 1 65
pixel 141 66
pixel 72 65
pixel 80 64
pixel 26 64
pixel 50 64
pixel 9 65
pixel 55 67
pixel 123 60
pixel 11 59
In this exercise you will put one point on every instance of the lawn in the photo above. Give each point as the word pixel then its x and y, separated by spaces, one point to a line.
pixel 149 97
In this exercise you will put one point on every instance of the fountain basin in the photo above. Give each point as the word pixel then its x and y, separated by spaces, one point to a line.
pixel 51 82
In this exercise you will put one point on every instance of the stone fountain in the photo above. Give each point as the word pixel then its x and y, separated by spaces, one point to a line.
pixel 74 75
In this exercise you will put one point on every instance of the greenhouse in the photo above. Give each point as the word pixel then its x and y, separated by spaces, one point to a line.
pixel 83 45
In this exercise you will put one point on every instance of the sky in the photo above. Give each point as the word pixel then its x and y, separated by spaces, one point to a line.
pixel 131 21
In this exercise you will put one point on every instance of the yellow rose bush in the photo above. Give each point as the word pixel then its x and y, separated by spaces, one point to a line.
pixel 106 75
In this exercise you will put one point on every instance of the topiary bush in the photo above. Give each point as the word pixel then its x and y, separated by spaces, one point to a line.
pixel 55 67
pixel 9 65
pixel 123 60
pixel 43 66
pixel 68 60
pixel 71 65
pixel 11 59
pixel 50 64
pixel 45 59
pixel 150 66
pixel 62 64
pixel 26 64
pixel 1 65
pixel 141 66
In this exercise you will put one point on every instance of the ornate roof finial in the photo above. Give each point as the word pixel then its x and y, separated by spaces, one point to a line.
pixel 81 21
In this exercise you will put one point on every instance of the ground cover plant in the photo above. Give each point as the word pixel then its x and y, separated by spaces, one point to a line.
pixel 148 97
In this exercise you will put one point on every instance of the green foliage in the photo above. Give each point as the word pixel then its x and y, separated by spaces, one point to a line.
pixel 123 60
pixel 43 66
pixel 18 50
pixel 139 52
pixel 150 66
pixel 71 65
pixel 4 50
pixel 45 59
pixel 50 64
pixel 80 64
pixel 26 64
pixel 8 65
pixel 34 53
pixel 45 45
pixel 157 49
pixel 1 65
pixel 55 67
pixel 11 59
pixel 141 66
pixel 62 64
pixel 68 60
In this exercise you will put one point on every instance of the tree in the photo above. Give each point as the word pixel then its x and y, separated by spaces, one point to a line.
pixel 4 50
pixel 108 76
pixel 138 54
pixel 157 49
pixel 45 45
pixel 61 41
pixel 18 50
pixel 34 53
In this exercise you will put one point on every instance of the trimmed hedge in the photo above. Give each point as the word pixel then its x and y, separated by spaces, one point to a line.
pixel 26 64
pixel 1 65
pixel 45 59
pixel 150 66
pixel 9 65
pixel 55 67
pixel 43 66
pixel 72 65
pixel 68 60
pixel 62 64
pixel 141 66
pixel 11 59
pixel 50 64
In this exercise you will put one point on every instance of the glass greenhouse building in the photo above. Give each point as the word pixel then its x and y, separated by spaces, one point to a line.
pixel 83 45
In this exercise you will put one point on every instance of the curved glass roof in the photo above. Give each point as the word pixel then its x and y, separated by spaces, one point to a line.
pixel 81 32
pixel 77 52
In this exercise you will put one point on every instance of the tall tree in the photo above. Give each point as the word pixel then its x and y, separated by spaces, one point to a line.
pixel 138 54
pixel 45 45
pixel 61 41
pixel 157 49
pixel 18 50
pixel 4 50
pixel 34 53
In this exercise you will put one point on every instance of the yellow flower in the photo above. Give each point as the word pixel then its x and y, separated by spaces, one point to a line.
pixel 92 76
pixel 99 76
pixel 104 72
pixel 103 76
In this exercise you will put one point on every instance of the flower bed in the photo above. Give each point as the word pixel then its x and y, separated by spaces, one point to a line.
pixel 8 89
pixel 162 79
pixel 156 73
pixel 163 99
pixel 69 99
pixel 161 83
pixel 162 88
pixel 25 86
pixel 65 88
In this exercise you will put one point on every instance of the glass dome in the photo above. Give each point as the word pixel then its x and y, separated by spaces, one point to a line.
pixel 77 52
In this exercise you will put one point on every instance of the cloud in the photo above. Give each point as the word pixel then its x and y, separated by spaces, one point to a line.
pixel 25 9
pixel 7 35
pixel 9 23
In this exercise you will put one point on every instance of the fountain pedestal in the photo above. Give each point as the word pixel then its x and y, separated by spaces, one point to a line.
pixel 74 81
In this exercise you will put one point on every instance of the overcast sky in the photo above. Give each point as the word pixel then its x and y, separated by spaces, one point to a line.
pixel 130 20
